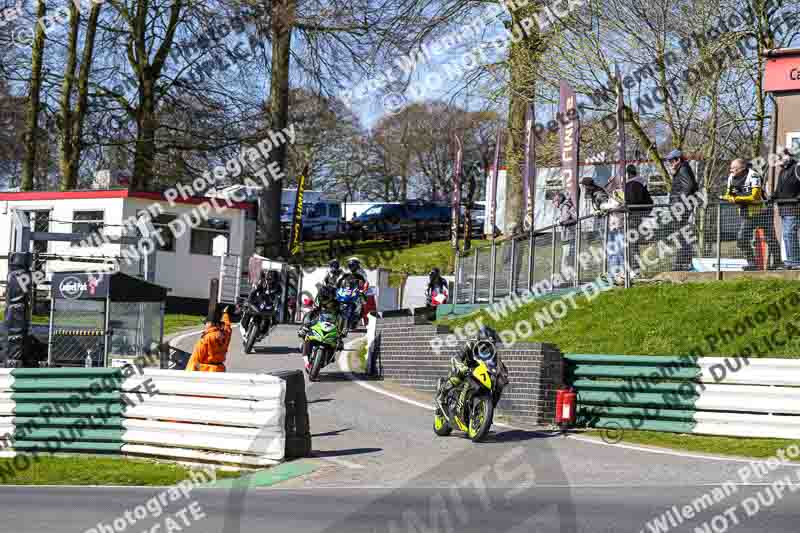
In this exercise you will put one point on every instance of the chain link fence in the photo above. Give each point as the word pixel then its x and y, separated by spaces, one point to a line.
pixel 635 244
pixel 78 330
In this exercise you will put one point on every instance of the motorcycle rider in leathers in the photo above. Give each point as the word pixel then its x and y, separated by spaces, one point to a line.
pixel 268 288
pixel 461 363
pixel 325 302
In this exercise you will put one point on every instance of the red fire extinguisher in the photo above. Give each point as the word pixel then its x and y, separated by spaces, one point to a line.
pixel 566 404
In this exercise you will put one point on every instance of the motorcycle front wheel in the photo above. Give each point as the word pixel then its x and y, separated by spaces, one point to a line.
pixel 480 419
pixel 317 355
pixel 252 333
pixel 440 424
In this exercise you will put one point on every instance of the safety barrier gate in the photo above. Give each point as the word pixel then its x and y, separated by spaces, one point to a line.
pixel 245 420
pixel 734 396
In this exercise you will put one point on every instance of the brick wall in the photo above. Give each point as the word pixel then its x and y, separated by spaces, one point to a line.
pixel 406 357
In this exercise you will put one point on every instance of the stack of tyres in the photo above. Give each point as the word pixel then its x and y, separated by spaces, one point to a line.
pixel 17 302
pixel 298 428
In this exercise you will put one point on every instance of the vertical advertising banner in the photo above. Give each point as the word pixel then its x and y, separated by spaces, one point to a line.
pixel 495 174
pixel 456 193
pixel 296 236
pixel 570 136
pixel 529 173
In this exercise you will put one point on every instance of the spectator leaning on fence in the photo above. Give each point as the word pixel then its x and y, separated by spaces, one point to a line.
pixel 787 194
pixel 745 189
pixel 683 184
pixel 567 219
pixel 639 203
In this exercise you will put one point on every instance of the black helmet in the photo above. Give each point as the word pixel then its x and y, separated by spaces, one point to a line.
pixel 485 347
pixel 334 265
pixel 353 264
pixel 435 274
pixel 326 292
pixel 272 276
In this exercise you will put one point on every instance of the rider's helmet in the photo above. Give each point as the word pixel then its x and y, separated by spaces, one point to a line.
pixel 485 347
pixel 434 275
pixel 353 265
pixel 334 266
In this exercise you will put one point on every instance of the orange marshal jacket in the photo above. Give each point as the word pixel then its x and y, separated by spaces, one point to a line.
pixel 210 351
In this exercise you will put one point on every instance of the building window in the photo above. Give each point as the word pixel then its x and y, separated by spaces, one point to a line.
pixel 167 237
pixel 86 222
pixel 211 237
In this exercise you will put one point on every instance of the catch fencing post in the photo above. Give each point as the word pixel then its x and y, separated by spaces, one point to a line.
pixel 626 257
pixel 553 258
pixel 531 252
pixel 605 246
pixel 492 270
pixel 512 275
pixel 474 295
pixel 575 263
pixel 457 278
pixel 719 241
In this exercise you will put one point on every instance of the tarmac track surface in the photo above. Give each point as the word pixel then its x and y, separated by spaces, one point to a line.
pixel 381 468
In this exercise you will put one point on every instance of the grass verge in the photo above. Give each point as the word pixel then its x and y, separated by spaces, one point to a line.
pixel 176 322
pixel 734 446
pixel 95 471
pixel 417 260
pixel 662 319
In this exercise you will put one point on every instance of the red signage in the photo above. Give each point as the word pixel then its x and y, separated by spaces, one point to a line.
pixel 782 73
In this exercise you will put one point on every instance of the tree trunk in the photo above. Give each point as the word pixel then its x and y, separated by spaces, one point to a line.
pixel 144 161
pixel 32 115
pixel 524 56
pixel 270 212
pixel 79 115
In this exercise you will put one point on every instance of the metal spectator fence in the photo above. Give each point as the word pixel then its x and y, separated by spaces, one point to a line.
pixel 712 238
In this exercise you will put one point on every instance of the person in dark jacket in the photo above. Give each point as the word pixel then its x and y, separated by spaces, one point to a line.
pixel 636 193
pixel 597 194
pixel 683 184
pixel 640 204
pixel 436 285
pixel 787 195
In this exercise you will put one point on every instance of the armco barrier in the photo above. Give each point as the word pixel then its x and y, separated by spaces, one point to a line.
pixel 235 419
pixel 733 396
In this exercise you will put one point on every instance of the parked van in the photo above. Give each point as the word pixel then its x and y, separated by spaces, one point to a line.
pixel 322 220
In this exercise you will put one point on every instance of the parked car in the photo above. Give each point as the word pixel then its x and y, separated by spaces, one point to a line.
pixel 321 220
pixel 423 218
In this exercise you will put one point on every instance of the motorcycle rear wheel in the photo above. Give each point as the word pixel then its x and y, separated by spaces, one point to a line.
pixel 480 418
pixel 252 333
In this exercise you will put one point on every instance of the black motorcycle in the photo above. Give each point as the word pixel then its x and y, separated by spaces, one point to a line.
pixel 261 321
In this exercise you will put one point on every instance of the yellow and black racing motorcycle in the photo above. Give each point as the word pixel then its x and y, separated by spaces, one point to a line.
pixel 487 378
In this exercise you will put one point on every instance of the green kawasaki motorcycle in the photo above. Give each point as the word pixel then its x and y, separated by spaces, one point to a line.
pixel 319 346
